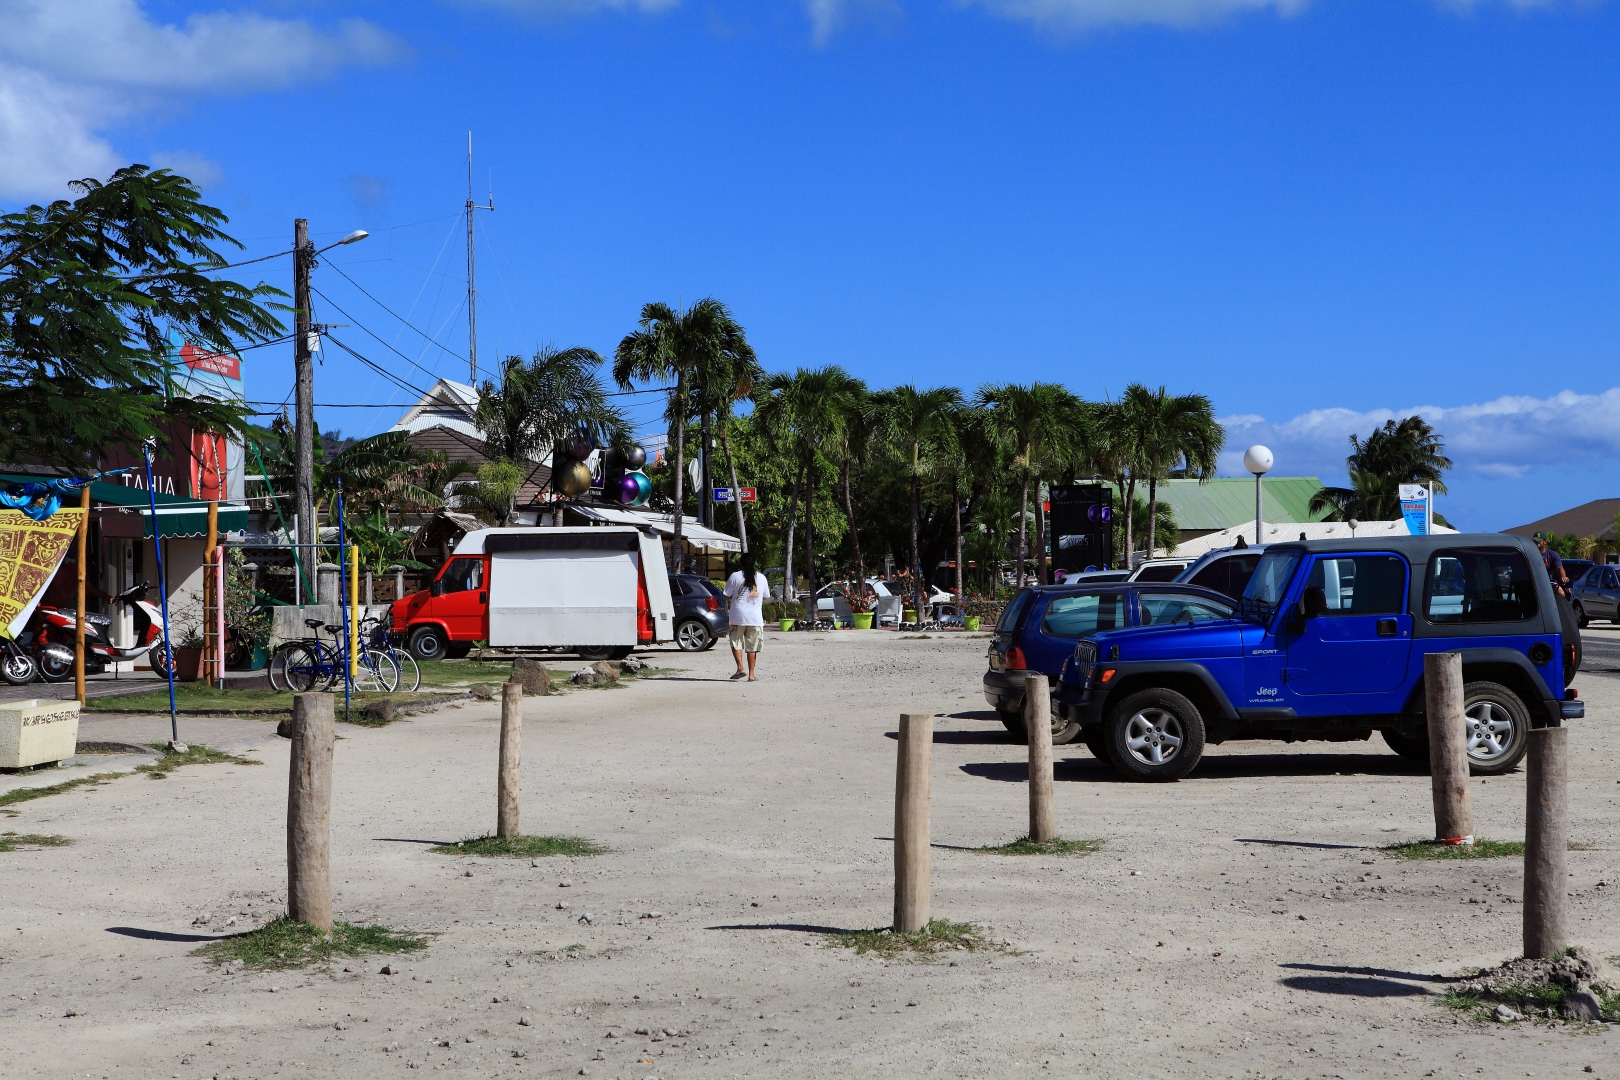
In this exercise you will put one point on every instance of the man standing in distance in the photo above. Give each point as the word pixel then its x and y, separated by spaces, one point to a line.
pixel 747 590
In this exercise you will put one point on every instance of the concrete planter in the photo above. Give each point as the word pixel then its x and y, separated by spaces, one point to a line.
pixel 34 732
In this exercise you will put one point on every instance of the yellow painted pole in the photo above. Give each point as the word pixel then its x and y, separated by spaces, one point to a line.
pixel 354 609
pixel 78 629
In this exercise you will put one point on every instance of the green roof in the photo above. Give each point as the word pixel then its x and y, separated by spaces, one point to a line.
pixel 1229 501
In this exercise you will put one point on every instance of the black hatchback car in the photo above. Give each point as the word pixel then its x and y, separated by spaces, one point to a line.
pixel 700 612
pixel 1038 630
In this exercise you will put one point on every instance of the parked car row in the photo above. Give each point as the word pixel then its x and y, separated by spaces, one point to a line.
pixel 1310 640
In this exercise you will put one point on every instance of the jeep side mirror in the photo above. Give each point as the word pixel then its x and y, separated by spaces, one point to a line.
pixel 1313 603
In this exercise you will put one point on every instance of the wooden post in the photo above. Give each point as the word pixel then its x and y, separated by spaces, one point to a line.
pixel 1545 823
pixel 913 780
pixel 1038 734
pixel 1448 748
pixel 309 812
pixel 78 628
pixel 213 647
pixel 506 810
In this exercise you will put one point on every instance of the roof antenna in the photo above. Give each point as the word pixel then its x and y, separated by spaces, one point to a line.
pixel 472 288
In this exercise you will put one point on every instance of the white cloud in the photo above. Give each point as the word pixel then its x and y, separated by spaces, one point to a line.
pixel 827 17
pixel 561 9
pixel 1501 439
pixel 68 71
pixel 1089 14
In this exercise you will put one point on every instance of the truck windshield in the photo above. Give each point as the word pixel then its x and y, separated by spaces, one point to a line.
pixel 1270 580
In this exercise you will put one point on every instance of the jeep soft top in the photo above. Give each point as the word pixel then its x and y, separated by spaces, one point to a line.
pixel 1329 644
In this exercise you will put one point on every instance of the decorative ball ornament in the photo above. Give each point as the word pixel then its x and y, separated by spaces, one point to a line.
pixel 574 478
pixel 579 448
pixel 635 457
pixel 627 489
pixel 1258 460
pixel 645 489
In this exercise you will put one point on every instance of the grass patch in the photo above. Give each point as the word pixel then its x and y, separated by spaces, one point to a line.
pixel 1434 849
pixel 1578 845
pixel 521 847
pixel 26 794
pixel 200 699
pixel 30 841
pixel 283 944
pixel 195 754
pixel 1529 1000
pixel 937 937
pixel 1055 846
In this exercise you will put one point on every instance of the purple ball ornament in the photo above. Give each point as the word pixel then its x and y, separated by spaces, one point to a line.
pixel 628 490
pixel 579 448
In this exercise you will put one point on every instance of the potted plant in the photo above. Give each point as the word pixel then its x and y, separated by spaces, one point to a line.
pixel 188 652
pixel 866 605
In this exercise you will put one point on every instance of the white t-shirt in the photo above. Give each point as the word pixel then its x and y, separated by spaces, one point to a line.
pixel 748 604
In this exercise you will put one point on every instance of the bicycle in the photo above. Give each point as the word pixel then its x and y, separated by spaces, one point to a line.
pixel 303 665
pixel 376 634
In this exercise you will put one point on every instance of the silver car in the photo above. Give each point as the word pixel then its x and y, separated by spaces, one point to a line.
pixel 1596 595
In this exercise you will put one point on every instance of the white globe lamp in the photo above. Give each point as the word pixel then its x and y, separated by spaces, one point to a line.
pixel 1258 460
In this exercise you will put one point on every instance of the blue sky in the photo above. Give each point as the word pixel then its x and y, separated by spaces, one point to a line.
pixel 1321 213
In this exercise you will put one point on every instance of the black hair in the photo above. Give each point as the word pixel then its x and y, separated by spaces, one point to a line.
pixel 747 562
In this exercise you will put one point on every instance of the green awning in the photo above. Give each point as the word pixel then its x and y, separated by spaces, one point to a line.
pixel 177 517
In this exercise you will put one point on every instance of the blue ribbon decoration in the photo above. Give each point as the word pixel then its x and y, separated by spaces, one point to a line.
pixel 41 499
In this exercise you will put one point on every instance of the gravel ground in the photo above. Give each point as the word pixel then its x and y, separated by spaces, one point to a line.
pixel 1234 924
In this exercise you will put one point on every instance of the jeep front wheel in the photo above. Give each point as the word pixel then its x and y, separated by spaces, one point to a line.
pixel 1154 735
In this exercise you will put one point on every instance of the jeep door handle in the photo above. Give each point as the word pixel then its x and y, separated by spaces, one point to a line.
pixel 1388 628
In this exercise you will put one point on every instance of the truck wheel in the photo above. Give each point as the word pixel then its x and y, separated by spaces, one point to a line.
pixel 1063 732
pixel 427 643
pixel 1498 728
pixel 1013 722
pixel 1154 735
pixel 602 652
pixel 693 636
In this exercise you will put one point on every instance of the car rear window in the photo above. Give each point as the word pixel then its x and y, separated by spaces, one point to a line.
pixel 1013 613
pixel 1229 575
pixel 1162 609
pixel 1161 573
pixel 1474 585
pixel 677 587
pixel 1077 616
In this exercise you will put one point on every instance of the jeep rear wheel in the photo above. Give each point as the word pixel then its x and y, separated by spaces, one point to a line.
pixel 1154 735
pixel 1498 731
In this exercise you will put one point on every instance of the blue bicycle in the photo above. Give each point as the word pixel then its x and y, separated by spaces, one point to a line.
pixel 309 664
pixel 377 635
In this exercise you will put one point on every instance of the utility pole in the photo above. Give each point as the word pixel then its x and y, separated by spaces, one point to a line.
pixel 472 288
pixel 304 376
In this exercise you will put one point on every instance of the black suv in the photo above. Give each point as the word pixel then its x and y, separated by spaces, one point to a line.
pixel 700 612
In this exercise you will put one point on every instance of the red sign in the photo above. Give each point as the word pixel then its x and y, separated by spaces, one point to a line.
pixel 217 363
pixel 747 494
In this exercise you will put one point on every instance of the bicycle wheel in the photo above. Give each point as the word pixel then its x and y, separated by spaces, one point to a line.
pixel 410 676
pixel 304 670
pixel 277 670
pixel 376 673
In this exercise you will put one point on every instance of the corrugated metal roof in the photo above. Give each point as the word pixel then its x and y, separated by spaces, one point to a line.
pixel 1283 531
pixel 1228 501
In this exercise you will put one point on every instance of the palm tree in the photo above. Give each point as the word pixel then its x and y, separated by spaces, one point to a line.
pixel 802 410
pixel 856 430
pixel 917 424
pixel 1173 432
pixel 542 402
pixel 1042 422
pixel 676 346
pixel 1408 452
pixel 723 377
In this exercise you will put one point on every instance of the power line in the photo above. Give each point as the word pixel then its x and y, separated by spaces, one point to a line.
pixel 362 326
pixel 378 368
pixel 392 312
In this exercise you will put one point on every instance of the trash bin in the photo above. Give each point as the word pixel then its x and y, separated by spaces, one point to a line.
pixel 34 732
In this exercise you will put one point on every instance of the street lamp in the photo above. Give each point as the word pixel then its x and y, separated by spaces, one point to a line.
pixel 1258 460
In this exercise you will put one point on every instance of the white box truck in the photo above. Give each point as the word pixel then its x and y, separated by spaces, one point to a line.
pixel 598 590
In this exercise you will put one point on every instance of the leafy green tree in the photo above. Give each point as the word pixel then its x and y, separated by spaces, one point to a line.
pixel 1174 433
pixel 490 498
pixel 381 545
pixel 379 473
pixel 543 401
pixel 1044 423
pixel 1405 452
pixel 674 347
pixel 88 289
pixel 917 424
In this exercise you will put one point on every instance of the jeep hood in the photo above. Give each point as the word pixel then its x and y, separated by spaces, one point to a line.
pixel 1216 637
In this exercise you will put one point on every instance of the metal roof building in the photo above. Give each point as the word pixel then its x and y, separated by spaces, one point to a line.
pixel 1226 502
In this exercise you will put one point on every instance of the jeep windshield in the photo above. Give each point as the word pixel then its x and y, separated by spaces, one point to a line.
pixel 1265 589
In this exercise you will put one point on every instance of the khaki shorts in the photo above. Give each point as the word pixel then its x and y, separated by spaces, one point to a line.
pixel 747 638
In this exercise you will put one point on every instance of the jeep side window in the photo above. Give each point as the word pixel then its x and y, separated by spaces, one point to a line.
pixel 1473 585
pixel 1162 609
pixel 1078 616
pixel 1361 584
pixel 1271 577
pixel 1013 612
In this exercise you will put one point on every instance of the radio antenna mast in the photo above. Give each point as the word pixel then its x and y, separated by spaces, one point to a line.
pixel 472 287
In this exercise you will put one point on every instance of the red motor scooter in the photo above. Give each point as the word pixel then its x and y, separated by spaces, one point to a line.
pixel 53 641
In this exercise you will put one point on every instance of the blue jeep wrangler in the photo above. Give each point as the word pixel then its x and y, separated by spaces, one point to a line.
pixel 1328 643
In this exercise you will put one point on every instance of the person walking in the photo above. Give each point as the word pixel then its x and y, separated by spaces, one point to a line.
pixel 747 590
pixel 1554 564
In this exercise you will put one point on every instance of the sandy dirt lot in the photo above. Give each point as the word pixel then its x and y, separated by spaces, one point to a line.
pixel 1235 924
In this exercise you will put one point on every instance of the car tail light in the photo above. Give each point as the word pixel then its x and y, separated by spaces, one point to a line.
pixel 711 603
pixel 1015 659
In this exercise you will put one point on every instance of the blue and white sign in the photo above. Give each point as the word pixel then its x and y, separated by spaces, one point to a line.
pixel 722 495
pixel 1417 508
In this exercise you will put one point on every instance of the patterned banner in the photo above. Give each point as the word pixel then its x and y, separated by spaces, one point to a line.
pixel 30 552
